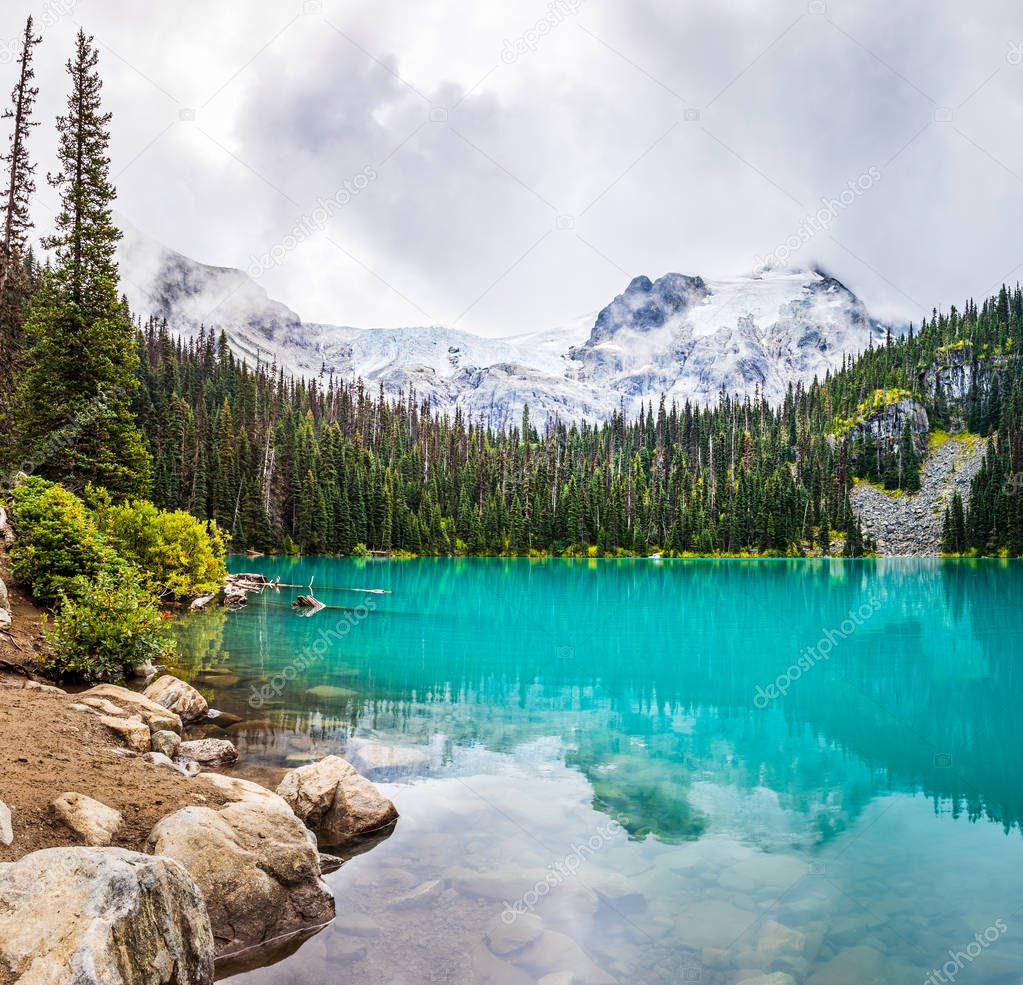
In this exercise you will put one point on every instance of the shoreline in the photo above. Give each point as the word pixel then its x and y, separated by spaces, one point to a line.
pixel 150 832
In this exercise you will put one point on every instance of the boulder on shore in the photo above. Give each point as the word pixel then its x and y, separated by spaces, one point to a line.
pixel 177 696
pixel 166 742
pixel 207 752
pixel 92 821
pixel 103 916
pixel 254 862
pixel 133 730
pixel 112 699
pixel 335 801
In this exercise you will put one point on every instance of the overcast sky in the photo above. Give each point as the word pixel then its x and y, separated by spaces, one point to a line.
pixel 508 166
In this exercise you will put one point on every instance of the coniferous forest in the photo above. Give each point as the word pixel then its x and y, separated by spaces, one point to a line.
pixel 325 466
pixel 91 393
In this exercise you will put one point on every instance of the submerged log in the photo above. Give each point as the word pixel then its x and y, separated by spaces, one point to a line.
pixel 251 578
pixel 308 602
pixel 248 582
pixel 277 583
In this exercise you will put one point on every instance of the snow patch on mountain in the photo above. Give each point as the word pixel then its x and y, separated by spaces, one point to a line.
pixel 690 339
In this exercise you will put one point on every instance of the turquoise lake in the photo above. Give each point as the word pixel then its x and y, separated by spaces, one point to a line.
pixel 649 771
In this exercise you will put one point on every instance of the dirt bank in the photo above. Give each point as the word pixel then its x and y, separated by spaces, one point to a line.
pixel 47 749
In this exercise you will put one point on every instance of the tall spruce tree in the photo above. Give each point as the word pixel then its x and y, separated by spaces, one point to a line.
pixel 909 461
pixel 77 416
pixel 15 283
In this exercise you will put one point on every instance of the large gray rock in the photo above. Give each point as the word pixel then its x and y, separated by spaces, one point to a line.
pixel 239 791
pixel 102 916
pixel 335 801
pixel 119 701
pixel 207 752
pixel 508 936
pixel 177 696
pixel 132 729
pixel 5 606
pixel 95 823
pixel 166 742
pixel 254 861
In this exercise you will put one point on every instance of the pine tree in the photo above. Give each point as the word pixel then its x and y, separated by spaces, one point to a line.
pixel 15 275
pixel 81 376
pixel 909 461
pixel 953 534
pixel 958 525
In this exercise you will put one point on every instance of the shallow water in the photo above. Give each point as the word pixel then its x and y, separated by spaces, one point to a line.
pixel 596 776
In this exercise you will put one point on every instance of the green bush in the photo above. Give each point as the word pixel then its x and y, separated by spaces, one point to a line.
pixel 57 540
pixel 102 566
pixel 182 556
pixel 107 627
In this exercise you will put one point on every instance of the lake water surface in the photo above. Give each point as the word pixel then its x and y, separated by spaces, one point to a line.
pixel 650 772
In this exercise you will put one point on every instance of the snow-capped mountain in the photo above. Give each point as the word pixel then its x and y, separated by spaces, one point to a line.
pixel 679 336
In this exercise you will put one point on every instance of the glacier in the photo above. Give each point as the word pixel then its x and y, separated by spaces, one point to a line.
pixel 679 337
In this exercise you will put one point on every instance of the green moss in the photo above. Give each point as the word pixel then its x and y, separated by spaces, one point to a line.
pixel 969 439
pixel 890 493
pixel 958 346
pixel 874 404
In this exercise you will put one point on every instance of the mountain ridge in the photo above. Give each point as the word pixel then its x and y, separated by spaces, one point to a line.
pixel 678 336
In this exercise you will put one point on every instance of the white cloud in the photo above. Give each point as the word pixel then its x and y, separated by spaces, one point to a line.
pixel 624 139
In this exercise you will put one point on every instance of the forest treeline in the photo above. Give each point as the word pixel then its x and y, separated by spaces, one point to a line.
pixel 324 466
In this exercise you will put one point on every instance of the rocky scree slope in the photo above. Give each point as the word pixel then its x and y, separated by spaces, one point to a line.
pixel 911 525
